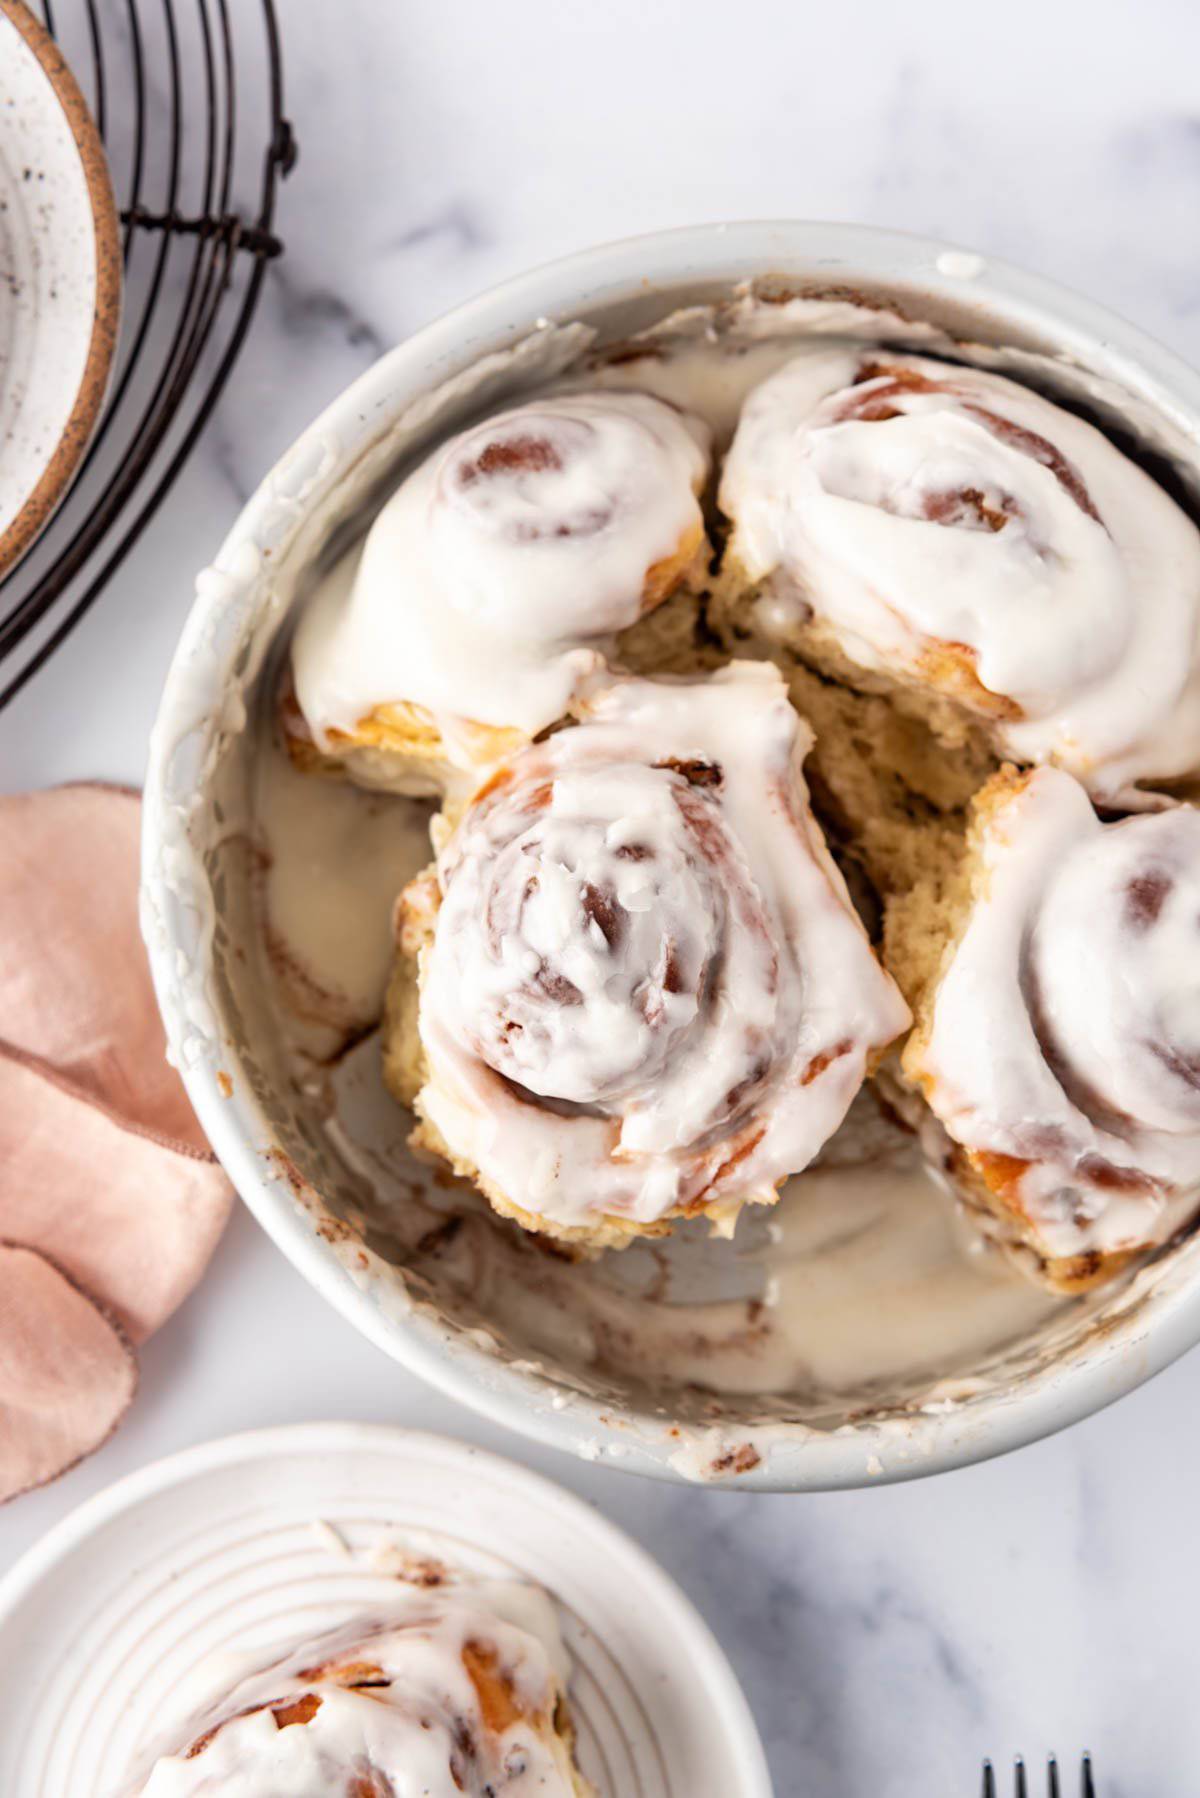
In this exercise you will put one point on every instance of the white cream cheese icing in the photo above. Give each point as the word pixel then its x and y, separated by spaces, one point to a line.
pixel 927 505
pixel 491 582
pixel 442 1696
pixel 641 928
pixel 1066 1027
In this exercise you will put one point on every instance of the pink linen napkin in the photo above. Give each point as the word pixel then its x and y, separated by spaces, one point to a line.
pixel 111 1201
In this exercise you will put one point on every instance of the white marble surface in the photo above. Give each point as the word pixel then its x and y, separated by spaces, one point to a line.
pixel 887 1639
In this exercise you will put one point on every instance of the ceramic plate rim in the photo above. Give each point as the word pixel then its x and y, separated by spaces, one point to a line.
pixel 75 433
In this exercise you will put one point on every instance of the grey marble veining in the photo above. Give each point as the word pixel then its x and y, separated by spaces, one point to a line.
pixel 889 1638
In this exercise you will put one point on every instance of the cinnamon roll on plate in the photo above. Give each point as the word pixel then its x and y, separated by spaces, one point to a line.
pixel 633 986
pixel 951 538
pixel 1055 976
pixel 443 1698
pixel 493 586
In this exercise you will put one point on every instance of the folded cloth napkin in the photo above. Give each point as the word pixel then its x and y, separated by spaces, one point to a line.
pixel 111 1201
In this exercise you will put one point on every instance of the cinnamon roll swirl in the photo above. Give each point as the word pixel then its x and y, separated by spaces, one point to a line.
pixel 443 1699
pixel 493 585
pixel 1058 1022
pixel 644 992
pixel 952 538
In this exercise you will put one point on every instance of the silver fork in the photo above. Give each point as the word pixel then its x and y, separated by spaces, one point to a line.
pixel 1087 1786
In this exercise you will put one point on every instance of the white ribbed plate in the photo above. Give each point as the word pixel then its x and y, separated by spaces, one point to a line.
pixel 220 1549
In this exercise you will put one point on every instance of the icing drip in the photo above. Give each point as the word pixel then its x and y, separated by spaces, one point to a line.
pixel 1066 1028
pixel 953 529
pixel 491 582
pixel 442 1699
pixel 647 988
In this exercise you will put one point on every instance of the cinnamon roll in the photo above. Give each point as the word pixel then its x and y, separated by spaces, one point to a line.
pixel 1056 981
pixel 643 990
pixel 493 585
pixel 953 539
pixel 442 1699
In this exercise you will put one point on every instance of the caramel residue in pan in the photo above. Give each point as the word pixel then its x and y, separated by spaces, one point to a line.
pixel 743 1459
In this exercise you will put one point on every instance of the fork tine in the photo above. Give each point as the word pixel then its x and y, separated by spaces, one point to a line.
pixel 1087 1783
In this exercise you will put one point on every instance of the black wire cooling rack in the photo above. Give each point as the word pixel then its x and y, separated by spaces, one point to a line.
pixel 188 97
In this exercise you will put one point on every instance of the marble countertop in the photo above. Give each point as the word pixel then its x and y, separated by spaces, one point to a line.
pixel 888 1639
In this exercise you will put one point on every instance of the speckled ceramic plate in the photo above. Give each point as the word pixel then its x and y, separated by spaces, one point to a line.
pixel 267 1537
pixel 60 278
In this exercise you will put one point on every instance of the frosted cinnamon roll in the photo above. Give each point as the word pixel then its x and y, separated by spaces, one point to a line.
pixel 493 584
pixel 950 536
pixel 1057 991
pixel 443 1699
pixel 644 992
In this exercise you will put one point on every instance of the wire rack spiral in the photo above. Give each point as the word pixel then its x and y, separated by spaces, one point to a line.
pixel 188 97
